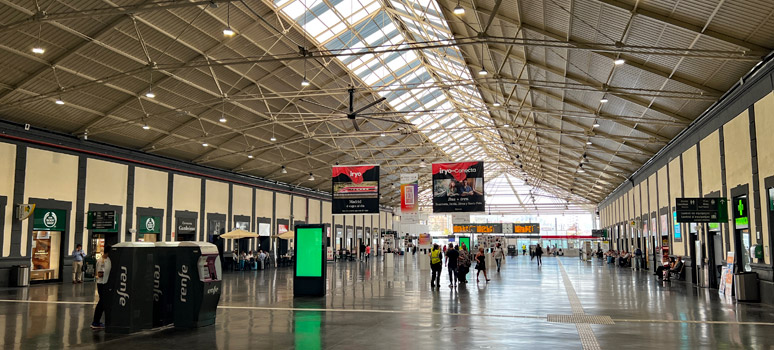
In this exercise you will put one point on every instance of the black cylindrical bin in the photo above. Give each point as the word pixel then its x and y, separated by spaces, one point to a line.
pixel 197 284
pixel 129 305
pixel 164 283
pixel 19 276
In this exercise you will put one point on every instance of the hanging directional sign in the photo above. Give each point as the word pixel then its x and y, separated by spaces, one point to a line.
pixel 701 209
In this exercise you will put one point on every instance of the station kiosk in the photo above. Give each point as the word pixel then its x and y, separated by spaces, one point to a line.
pixel 130 288
pixel 164 283
pixel 197 284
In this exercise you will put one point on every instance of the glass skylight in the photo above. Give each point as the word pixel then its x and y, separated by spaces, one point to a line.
pixel 351 26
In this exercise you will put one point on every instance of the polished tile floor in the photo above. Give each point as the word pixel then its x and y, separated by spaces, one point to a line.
pixel 566 304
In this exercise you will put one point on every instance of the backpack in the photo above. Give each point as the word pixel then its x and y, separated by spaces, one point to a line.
pixel 435 256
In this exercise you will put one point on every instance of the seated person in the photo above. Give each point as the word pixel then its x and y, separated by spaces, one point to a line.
pixel 664 267
pixel 676 267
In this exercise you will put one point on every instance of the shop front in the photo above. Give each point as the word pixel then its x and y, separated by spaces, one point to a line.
pixel 185 225
pixel 48 230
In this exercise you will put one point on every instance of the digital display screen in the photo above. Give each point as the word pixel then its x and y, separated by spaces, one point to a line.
pixel 309 252
pixel 465 240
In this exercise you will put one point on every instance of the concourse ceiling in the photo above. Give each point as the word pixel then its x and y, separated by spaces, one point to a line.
pixel 563 99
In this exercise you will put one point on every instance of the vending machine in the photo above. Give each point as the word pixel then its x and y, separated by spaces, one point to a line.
pixel 197 284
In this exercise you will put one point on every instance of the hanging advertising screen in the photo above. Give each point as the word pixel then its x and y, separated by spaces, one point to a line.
pixel 458 187
pixel 355 189
pixel 409 206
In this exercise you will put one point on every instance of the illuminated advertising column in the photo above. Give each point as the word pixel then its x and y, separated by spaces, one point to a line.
pixel 310 266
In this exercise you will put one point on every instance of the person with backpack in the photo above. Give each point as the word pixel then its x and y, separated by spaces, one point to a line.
pixel 539 255
pixel 463 264
pixel 436 257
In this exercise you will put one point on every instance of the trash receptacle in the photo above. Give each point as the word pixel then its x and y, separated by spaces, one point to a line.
pixel 129 305
pixel 197 284
pixel 20 276
pixel 746 286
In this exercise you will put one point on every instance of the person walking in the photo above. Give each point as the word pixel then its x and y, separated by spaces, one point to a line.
pixel 463 266
pixel 523 249
pixel 638 259
pixel 78 256
pixel 539 254
pixel 103 273
pixel 481 264
pixel 367 252
pixel 452 259
pixel 436 257
pixel 499 254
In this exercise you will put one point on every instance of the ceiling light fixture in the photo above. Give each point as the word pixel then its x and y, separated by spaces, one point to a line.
pixel 619 61
pixel 150 93
pixel 222 119
pixel 483 72
pixel 59 101
pixel 603 100
pixel 507 125
pixel 250 156
pixel 596 124
pixel 382 134
pixel 305 82
pixel 496 104
pixel 459 10
pixel 284 171
pixel 205 144
pixel 422 164
pixel 37 49
pixel 228 32
pixel 588 142
pixel 311 177
pixel 145 127
pixel 273 139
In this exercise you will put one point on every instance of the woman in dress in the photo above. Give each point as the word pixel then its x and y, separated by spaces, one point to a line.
pixel 481 264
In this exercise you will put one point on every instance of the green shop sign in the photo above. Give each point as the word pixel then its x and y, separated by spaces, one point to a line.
pixel 49 220
pixel 150 224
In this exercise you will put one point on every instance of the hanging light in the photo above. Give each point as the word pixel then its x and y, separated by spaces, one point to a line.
pixel 619 61
pixel 483 72
pixel 496 104
pixel 506 125
pixel 311 177
pixel 145 127
pixel 150 94
pixel 284 171
pixel 459 10
pixel 588 142
pixel 596 124
pixel 422 164
pixel 603 100
pixel 250 156
pixel 222 119
pixel 37 49
pixel 382 134
pixel 273 139
pixel 59 101
pixel 205 144
pixel 305 82
pixel 228 32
